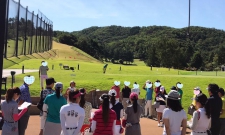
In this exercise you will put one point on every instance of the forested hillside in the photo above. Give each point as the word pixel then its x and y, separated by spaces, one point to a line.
pixel 202 48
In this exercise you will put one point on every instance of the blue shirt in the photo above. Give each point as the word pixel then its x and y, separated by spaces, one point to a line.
pixel 54 106
pixel 149 93
pixel 25 93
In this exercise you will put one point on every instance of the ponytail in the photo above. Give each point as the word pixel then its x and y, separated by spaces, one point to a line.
pixel 113 99
pixel 105 109
pixel 135 105
pixel 82 101
pixel 57 91
pixel 10 93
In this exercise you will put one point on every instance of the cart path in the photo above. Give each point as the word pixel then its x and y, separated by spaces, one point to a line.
pixel 6 72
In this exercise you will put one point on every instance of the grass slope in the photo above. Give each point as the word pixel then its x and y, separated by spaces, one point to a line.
pixel 59 52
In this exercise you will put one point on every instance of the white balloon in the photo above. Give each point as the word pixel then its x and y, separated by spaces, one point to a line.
pixel 117 83
pixel 44 63
pixel 29 80
pixel 126 83
pixel 136 86
pixel 180 86
pixel 157 84
pixel 148 85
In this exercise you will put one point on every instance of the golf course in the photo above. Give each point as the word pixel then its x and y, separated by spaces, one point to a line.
pixel 90 74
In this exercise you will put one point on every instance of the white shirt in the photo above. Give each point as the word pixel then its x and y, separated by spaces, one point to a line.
pixel 136 90
pixel 175 120
pixel 71 116
pixel 202 123
pixel 70 88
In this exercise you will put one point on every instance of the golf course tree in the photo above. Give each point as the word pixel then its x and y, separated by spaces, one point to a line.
pixel 152 57
pixel 196 60
pixel 155 45
pixel 220 54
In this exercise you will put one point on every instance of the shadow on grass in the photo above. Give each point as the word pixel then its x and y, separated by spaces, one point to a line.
pixel 54 51
pixel 12 61
pixel 41 56
pixel 34 56
pixel 28 57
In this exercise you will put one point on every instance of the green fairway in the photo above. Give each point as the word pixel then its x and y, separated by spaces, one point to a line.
pixel 90 75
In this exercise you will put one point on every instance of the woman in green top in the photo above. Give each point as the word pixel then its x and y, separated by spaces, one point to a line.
pixel 51 109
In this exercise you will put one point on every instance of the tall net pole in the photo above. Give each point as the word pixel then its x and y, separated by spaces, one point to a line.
pixel 3 4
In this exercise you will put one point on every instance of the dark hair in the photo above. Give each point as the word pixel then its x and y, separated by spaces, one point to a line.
pixel 221 90
pixel 10 93
pixel 202 99
pixel 213 88
pixel 42 61
pixel 135 82
pixel 72 82
pixel 72 93
pixel 174 105
pixel 113 99
pixel 134 104
pixel 82 100
pixel 157 81
pixel 50 81
pixel 105 108
pixel 178 83
pixel 165 93
pixel 57 91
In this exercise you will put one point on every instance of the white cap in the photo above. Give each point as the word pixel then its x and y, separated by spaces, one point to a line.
pixel 112 92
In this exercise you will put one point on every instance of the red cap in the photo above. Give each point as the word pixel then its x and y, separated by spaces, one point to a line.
pixel 77 95
pixel 133 95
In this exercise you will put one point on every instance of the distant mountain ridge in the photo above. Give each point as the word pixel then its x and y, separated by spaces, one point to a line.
pixel 112 40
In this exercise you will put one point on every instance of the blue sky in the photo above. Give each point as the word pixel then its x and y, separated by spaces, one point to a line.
pixel 74 15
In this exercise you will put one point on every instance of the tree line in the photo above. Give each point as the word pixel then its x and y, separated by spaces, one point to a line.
pixel 160 46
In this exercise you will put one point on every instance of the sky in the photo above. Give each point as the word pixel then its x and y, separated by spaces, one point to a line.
pixel 75 15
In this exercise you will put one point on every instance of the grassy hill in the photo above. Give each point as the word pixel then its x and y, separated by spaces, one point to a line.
pixel 58 52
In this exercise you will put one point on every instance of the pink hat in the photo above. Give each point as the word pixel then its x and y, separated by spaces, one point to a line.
pixel 133 95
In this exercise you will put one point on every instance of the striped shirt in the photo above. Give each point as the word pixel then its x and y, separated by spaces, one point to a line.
pixel 101 129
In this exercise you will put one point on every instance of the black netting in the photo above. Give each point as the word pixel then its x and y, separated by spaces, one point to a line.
pixel 22 31
pixel 39 35
pixel 34 35
pixel 43 36
pixel 12 28
pixel 27 33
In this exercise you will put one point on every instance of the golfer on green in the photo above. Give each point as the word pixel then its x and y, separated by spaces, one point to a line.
pixel 104 68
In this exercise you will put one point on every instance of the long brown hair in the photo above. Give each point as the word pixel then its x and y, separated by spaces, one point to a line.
pixel 10 93
pixel 82 97
pixel 105 108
